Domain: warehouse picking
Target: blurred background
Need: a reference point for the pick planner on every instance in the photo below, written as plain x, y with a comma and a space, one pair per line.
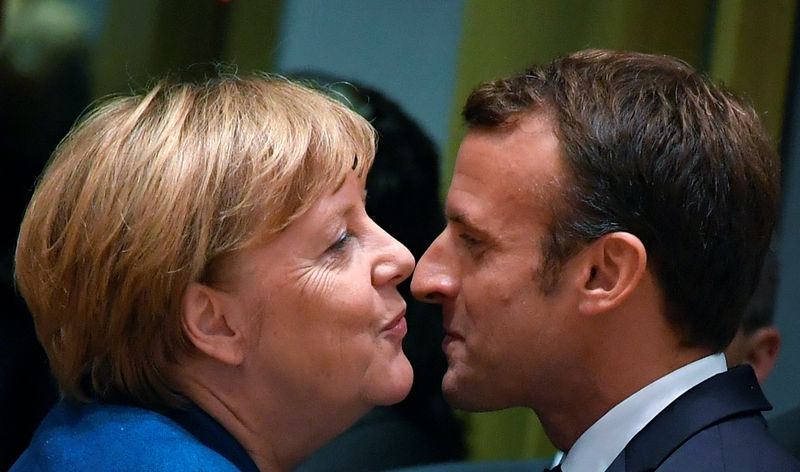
56, 56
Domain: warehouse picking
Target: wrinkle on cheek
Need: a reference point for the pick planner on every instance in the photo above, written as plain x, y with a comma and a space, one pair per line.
314, 279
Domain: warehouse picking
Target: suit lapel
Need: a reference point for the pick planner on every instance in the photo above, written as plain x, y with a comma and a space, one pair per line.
722, 396
618, 465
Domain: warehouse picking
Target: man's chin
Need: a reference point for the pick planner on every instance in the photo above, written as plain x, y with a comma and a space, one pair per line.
469, 395
459, 394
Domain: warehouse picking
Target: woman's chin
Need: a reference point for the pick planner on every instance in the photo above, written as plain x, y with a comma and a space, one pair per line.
392, 385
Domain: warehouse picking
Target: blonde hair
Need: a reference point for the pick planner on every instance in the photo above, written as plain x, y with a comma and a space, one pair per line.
144, 193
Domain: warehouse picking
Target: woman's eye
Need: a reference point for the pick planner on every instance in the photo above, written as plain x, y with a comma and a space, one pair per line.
341, 243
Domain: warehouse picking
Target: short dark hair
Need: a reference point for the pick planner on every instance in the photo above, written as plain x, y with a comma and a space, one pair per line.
656, 149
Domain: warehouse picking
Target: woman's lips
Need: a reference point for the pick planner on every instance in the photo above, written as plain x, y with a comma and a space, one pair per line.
397, 327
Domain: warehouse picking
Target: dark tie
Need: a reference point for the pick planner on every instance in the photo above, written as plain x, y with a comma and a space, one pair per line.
554, 469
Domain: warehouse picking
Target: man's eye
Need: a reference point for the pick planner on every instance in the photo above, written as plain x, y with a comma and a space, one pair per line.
469, 240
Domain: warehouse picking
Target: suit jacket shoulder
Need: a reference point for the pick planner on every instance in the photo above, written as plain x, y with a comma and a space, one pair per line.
715, 426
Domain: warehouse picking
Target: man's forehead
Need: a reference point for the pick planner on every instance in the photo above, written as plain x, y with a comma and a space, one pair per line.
486, 208
486, 166
504, 172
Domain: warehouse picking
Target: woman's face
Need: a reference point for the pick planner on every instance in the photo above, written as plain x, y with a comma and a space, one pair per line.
327, 320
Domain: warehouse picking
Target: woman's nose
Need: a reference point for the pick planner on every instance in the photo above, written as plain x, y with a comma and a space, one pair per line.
397, 263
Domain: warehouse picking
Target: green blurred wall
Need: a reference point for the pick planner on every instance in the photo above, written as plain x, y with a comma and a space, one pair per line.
148, 38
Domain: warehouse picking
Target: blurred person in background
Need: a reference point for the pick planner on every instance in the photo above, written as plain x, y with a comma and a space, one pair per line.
758, 341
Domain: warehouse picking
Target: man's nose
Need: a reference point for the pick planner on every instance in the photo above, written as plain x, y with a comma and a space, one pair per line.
434, 280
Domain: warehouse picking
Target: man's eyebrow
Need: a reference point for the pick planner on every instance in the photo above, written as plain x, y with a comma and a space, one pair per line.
463, 219
457, 217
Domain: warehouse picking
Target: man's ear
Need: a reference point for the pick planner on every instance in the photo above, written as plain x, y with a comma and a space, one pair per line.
611, 269
762, 351
211, 324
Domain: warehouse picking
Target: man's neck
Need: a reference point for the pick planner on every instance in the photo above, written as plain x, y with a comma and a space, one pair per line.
598, 390
597, 447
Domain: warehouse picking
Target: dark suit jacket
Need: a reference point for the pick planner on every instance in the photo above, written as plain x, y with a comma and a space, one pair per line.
715, 426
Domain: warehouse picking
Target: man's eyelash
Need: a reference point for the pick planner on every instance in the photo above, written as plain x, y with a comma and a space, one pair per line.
469, 239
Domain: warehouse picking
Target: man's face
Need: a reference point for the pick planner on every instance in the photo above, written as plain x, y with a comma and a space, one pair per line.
504, 337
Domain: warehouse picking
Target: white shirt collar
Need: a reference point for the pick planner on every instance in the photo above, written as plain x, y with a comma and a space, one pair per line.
599, 445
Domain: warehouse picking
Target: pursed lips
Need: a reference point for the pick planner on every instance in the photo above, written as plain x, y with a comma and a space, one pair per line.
397, 325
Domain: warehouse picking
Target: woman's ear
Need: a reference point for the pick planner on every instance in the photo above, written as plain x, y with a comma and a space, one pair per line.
612, 268
211, 323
